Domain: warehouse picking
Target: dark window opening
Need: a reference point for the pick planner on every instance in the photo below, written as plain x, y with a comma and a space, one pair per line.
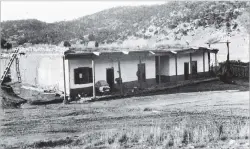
83, 75
194, 67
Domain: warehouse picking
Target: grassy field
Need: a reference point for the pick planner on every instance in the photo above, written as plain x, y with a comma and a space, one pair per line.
206, 119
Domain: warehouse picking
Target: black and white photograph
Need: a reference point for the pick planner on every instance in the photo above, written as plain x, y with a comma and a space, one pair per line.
132, 74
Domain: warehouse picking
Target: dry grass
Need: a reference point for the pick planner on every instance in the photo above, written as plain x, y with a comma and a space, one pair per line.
183, 132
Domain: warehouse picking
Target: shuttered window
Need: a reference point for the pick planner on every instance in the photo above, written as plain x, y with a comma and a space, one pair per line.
83, 75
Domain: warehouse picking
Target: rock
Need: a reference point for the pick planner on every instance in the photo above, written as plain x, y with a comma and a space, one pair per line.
231, 142
190, 146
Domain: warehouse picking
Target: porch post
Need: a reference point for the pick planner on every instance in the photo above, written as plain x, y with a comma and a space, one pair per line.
93, 79
140, 80
176, 73
208, 55
190, 54
159, 69
65, 101
216, 63
204, 61
119, 71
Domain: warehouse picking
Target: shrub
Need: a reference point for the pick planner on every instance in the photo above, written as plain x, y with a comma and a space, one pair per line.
123, 139
66, 44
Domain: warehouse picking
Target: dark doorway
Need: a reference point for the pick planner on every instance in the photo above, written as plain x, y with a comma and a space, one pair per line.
186, 70
110, 77
141, 74
194, 67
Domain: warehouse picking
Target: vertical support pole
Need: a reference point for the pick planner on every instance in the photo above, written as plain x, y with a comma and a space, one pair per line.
65, 101
208, 55
140, 73
93, 75
215, 59
69, 79
190, 54
159, 69
120, 77
228, 62
204, 62
176, 73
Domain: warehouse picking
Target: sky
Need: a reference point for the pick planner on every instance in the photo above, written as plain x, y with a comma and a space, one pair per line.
52, 11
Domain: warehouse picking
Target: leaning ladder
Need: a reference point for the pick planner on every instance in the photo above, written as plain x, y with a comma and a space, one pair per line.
13, 57
18, 70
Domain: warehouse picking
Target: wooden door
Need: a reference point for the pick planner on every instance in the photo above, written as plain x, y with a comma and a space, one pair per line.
186, 70
110, 77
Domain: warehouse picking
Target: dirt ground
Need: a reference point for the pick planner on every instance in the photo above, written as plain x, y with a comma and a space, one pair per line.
206, 119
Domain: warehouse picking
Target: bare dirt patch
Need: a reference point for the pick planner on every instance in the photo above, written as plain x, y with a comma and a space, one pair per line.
208, 119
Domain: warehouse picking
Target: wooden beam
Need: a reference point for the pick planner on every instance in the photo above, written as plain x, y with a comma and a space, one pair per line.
93, 75
120, 77
64, 82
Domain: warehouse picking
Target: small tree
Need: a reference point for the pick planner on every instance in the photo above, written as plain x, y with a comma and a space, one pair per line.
91, 37
8, 46
66, 44
3, 42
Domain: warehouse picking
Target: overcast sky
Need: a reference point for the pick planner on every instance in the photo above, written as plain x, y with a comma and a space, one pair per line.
52, 11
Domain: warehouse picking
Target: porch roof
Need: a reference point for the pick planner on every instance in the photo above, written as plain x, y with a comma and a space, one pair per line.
158, 51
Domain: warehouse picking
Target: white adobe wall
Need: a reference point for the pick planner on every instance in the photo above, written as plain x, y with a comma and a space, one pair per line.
41, 70
181, 59
128, 66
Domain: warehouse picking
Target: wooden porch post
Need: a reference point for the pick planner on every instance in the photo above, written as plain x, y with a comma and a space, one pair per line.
208, 54
190, 54
204, 61
65, 101
93, 79
140, 74
159, 69
215, 59
176, 73
120, 77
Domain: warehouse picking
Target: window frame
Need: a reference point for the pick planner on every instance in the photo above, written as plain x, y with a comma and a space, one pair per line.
87, 76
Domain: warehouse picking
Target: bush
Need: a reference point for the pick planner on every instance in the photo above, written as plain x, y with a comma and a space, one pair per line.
66, 44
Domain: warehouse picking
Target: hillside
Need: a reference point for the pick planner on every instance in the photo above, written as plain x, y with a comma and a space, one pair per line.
184, 23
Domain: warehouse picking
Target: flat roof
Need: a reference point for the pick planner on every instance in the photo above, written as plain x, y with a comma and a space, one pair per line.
158, 51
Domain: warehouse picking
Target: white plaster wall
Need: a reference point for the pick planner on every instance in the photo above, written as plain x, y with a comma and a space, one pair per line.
73, 64
181, 59
128, 66
41, 70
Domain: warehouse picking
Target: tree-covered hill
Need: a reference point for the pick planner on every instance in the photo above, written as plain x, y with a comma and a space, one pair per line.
171, 21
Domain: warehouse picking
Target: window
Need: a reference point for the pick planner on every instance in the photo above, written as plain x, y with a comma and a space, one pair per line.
194, 67
83, 75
